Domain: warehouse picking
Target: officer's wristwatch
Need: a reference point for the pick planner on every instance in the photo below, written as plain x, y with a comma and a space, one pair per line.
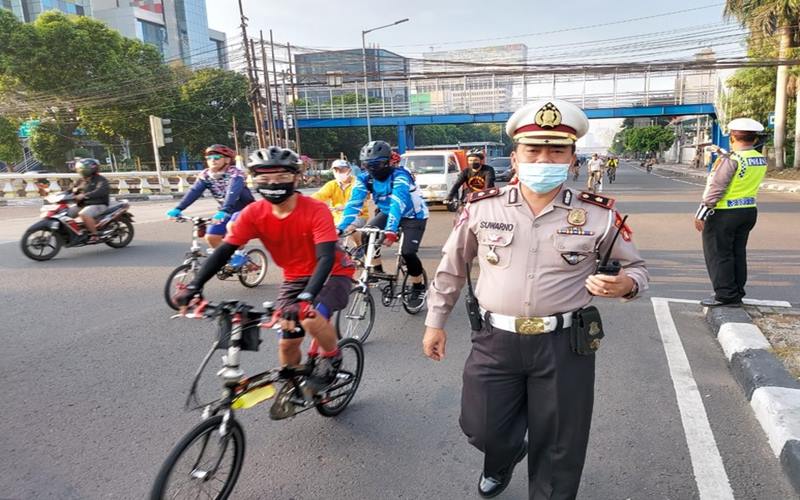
306, 297
634, 291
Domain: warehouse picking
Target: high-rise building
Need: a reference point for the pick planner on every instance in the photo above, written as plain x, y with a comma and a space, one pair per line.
28, 10
177, 28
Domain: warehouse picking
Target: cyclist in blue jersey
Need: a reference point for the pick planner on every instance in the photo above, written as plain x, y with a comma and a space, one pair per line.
227, 185
399, 205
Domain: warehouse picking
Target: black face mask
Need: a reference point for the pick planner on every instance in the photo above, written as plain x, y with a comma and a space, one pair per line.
276, 192
475, 165
381, 172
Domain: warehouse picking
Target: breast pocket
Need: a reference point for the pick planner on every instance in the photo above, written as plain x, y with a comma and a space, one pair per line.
495, 249
575, 251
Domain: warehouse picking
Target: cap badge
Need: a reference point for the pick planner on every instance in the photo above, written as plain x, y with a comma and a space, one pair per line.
577, 217
548, 117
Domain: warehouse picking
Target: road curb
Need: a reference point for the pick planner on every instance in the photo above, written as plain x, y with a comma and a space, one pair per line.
773, 393
768, 184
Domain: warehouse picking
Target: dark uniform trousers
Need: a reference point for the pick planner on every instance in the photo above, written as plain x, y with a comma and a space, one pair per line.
725, 250
515, 384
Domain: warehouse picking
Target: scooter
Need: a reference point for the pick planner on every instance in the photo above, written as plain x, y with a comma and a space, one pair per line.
44, 239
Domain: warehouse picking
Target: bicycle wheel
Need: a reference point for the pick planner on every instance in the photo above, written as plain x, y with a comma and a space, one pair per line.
254, 270
407, 293
358, 318
181, 275
203, 463
336, 399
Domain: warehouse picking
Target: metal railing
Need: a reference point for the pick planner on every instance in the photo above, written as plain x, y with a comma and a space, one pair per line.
503, 93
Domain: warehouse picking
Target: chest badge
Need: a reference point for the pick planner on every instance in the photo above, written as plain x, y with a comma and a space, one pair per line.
491, 256
576, 217
573, 258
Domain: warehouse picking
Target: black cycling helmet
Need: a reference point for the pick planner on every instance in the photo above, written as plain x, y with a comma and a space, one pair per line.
274, 158
476, 152
87, 166
375, 158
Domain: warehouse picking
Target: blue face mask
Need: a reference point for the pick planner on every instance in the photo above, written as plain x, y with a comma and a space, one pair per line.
542, 177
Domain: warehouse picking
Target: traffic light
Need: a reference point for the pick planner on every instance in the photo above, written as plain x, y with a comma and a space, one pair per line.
160, 134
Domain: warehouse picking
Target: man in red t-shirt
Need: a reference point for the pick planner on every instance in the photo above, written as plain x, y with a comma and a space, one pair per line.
299, 234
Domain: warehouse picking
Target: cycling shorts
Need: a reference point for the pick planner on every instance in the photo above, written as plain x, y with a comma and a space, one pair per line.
413, 229
333, 297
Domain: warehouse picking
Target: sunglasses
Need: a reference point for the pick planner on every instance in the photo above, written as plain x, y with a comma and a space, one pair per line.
214, 157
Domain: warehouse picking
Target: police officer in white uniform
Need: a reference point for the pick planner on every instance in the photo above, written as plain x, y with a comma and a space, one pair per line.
531, 367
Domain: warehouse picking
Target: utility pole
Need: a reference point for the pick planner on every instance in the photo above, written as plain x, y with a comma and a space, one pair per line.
235, 137
285, 108
270, 117
275, 79
262, 138
251, 96
298, 150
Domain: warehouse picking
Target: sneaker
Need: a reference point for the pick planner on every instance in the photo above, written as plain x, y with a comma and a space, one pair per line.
324, 373
416, 296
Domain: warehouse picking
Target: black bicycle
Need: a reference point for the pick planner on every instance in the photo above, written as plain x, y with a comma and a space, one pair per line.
358, 318
207, 461
250, 265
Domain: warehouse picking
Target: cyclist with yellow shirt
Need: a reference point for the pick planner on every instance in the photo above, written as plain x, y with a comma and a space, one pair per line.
336, 192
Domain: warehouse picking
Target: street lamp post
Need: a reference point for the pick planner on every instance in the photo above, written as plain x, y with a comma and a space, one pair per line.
364, 63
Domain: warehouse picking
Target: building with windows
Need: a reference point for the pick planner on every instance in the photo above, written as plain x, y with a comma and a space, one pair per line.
346, 67
177, 28
28, 10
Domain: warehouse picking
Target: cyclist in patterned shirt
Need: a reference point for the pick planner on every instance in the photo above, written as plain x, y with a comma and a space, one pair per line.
227, 185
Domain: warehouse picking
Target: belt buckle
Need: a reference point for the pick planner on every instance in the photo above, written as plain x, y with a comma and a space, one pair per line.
530, 326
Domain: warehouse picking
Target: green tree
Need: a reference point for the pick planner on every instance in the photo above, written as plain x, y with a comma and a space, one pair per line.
646, 139
768, 18
51, 142
10, 147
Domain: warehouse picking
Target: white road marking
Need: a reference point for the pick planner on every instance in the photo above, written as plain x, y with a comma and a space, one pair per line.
740, 337
778, 411
709, 470
767, 303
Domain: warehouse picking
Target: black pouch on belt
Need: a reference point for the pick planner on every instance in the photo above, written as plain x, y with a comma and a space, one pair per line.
586, 331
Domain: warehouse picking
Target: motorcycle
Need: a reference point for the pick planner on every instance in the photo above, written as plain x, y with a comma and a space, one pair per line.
44, 239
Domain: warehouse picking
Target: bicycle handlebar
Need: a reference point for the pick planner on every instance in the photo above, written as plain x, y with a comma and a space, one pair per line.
210, 310
193, 220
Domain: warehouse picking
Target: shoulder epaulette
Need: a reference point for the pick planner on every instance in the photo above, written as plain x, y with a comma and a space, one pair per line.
482, 195
596, 199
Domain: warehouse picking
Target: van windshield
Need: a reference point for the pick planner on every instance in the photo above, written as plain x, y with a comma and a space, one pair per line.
433, 164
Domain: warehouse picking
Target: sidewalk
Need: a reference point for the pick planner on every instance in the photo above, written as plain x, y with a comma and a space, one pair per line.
685, 170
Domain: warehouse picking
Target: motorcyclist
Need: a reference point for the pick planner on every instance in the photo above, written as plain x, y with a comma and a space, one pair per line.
476, 176
92, 195
227, 185
299, 234
399, 204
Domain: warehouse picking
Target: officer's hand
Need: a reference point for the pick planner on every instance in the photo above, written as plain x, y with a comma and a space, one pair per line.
433, 343
699, 225
389, 238
604, 285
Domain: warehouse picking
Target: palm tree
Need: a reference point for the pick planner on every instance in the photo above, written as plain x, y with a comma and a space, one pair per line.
771, 17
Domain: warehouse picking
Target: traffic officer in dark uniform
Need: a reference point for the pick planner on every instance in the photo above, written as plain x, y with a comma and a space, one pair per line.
728, 213
531, 367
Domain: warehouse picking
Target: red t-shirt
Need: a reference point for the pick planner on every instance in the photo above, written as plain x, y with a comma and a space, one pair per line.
290, 241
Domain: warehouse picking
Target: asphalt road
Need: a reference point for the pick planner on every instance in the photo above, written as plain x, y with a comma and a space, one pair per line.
95, 374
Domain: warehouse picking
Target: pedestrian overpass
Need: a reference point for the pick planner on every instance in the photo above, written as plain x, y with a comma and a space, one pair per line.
492, 98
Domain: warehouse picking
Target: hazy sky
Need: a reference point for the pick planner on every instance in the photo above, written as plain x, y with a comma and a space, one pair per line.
447, 24
452, 24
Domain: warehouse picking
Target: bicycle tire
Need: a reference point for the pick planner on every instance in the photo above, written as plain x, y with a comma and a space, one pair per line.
406, 293
203, 431
357, 299
262, 272
169, 289
333, 404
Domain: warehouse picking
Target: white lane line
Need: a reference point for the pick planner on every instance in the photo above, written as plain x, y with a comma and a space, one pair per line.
749, 302
709, 470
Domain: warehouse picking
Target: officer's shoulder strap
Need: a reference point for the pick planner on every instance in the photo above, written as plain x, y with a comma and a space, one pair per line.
597, 199
483, 195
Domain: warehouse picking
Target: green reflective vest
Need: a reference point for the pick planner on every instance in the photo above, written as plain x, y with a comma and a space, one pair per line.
751, 166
